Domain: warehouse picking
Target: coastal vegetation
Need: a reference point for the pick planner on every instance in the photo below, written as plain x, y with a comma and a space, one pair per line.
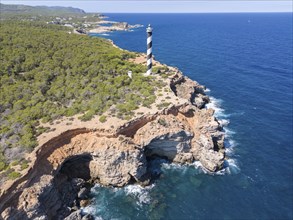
39, 10
64, 16
47, 73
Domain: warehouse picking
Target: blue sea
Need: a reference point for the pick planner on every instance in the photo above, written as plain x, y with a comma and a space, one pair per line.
245, 61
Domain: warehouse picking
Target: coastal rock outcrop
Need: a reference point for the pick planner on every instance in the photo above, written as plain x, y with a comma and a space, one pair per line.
57, 178
116, 162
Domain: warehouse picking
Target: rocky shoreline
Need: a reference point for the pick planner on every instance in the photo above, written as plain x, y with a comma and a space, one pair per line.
64, 167
113, 26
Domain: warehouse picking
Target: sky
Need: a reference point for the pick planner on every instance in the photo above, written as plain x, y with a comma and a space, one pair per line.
167, 6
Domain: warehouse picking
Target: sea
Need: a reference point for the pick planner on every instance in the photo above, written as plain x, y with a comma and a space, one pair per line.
245, 61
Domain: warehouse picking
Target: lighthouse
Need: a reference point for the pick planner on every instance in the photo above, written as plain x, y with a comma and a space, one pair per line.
149, 31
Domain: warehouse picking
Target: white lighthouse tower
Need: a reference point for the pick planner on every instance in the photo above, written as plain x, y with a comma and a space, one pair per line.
149, 31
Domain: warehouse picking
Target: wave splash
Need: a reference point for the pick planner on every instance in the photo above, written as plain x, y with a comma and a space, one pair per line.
140, 193
231, 166
106, 199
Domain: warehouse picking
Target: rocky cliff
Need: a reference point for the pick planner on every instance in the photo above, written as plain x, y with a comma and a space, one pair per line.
182, 132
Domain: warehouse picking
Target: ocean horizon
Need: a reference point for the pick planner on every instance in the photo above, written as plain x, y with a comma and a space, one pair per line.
245, 61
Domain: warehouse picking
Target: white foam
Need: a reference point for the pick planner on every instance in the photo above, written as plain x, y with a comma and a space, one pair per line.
200, 168
183, 168
95, 188
229, 143
92, 211
231, 164
177, 166
216, 105
139, 192
207, 90
224, 122
198, 165
231, 167
104, 34
229, 152
228, 132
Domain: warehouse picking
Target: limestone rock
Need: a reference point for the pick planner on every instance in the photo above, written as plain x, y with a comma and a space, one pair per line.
55, 185
170, 145
200, 100
84, 203
40, 197
74, 216
83, 193
87, 217
186, 88
211, 160
116, 163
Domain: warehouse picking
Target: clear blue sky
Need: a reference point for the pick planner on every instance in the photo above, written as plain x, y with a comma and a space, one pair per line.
168, 6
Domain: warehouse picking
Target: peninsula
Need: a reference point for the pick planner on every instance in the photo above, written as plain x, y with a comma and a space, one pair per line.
71, 117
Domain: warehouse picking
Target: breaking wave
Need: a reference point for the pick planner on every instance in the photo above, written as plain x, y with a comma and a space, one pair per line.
231, 165
140, 193
105, 198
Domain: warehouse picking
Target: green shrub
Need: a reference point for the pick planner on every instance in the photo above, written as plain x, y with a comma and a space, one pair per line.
14, 163
24, 165
148, 101
87, 116
164, 75
41, 130
14, 175
3, 166
163, 105
162, 122
103, 119
127, 117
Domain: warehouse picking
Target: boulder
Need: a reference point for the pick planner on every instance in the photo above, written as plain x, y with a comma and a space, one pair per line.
116, 163
83, 193
212, 160
76, 215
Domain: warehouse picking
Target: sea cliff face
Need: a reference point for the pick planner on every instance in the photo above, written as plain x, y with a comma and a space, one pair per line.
183, 132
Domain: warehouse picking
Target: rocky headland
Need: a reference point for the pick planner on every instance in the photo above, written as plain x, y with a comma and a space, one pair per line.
110, 26
67, 162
